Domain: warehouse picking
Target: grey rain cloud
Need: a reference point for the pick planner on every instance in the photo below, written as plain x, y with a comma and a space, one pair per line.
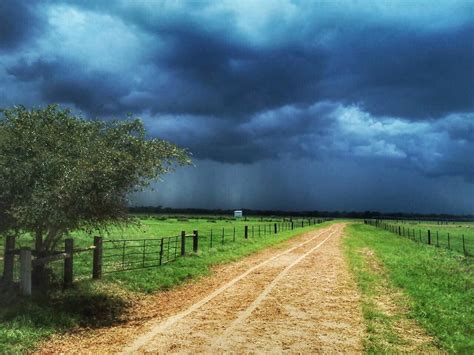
385, 86
18, 23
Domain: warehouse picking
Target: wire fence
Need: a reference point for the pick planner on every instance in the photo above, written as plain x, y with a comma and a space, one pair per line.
441, 239
117, 255
131, 254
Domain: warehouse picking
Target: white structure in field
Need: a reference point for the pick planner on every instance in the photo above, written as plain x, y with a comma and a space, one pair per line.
238, 214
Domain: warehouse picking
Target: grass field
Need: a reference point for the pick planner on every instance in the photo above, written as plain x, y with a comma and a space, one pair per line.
437, 284
449, 236
24, 322
436, 287
142, 244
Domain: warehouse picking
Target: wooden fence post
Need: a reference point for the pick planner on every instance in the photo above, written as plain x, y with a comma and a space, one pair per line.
183, 243
292, 226
246, 232
275, 227
97, 258
195, 241
161, 251
25, 271
429, 236
8, 259
68, 262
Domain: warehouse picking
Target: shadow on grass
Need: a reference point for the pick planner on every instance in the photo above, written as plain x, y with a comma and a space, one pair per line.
27, 319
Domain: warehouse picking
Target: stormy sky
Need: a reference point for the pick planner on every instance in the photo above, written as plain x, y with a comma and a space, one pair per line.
294, 105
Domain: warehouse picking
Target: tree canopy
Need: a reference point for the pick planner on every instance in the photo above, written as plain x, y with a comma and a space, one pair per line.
60, 172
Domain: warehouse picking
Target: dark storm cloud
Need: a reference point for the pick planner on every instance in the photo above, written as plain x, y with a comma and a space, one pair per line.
18, 21
251, 82
405, 73
211, 68
94, 91
270, 134
329, 130
307, 185
390, 68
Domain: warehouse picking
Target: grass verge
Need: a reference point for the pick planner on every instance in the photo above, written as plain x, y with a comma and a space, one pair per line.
405, 285
25, 322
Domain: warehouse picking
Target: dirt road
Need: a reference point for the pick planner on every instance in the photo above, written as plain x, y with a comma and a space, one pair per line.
296, 298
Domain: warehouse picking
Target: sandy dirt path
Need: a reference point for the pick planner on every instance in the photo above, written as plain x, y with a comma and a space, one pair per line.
296, 297
299, 300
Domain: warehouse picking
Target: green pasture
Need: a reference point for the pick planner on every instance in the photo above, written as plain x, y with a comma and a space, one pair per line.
438, 283
449, 236
158, 226
25, 322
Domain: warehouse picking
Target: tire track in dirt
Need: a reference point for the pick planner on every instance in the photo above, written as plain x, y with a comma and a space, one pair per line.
220, 307
233, 320
156, 308
263, 295
315, 308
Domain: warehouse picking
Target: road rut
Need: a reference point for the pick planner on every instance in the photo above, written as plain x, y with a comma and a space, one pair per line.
301, 299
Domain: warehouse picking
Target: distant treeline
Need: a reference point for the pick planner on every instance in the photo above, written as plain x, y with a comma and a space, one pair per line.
332, 214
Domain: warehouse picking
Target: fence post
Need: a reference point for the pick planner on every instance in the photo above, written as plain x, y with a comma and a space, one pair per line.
223, 236
429, 237
449, 243
292, 225
176, 247
233, 238
246, 232
195, 241
25, 271
97, 258
183, 243
399, 230
8, 259
464, 246
68, 262
275, 226
161, 251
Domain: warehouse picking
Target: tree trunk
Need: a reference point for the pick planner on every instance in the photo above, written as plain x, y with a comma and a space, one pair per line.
46, 242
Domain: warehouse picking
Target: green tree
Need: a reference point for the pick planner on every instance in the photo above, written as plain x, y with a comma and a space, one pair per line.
59, 172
